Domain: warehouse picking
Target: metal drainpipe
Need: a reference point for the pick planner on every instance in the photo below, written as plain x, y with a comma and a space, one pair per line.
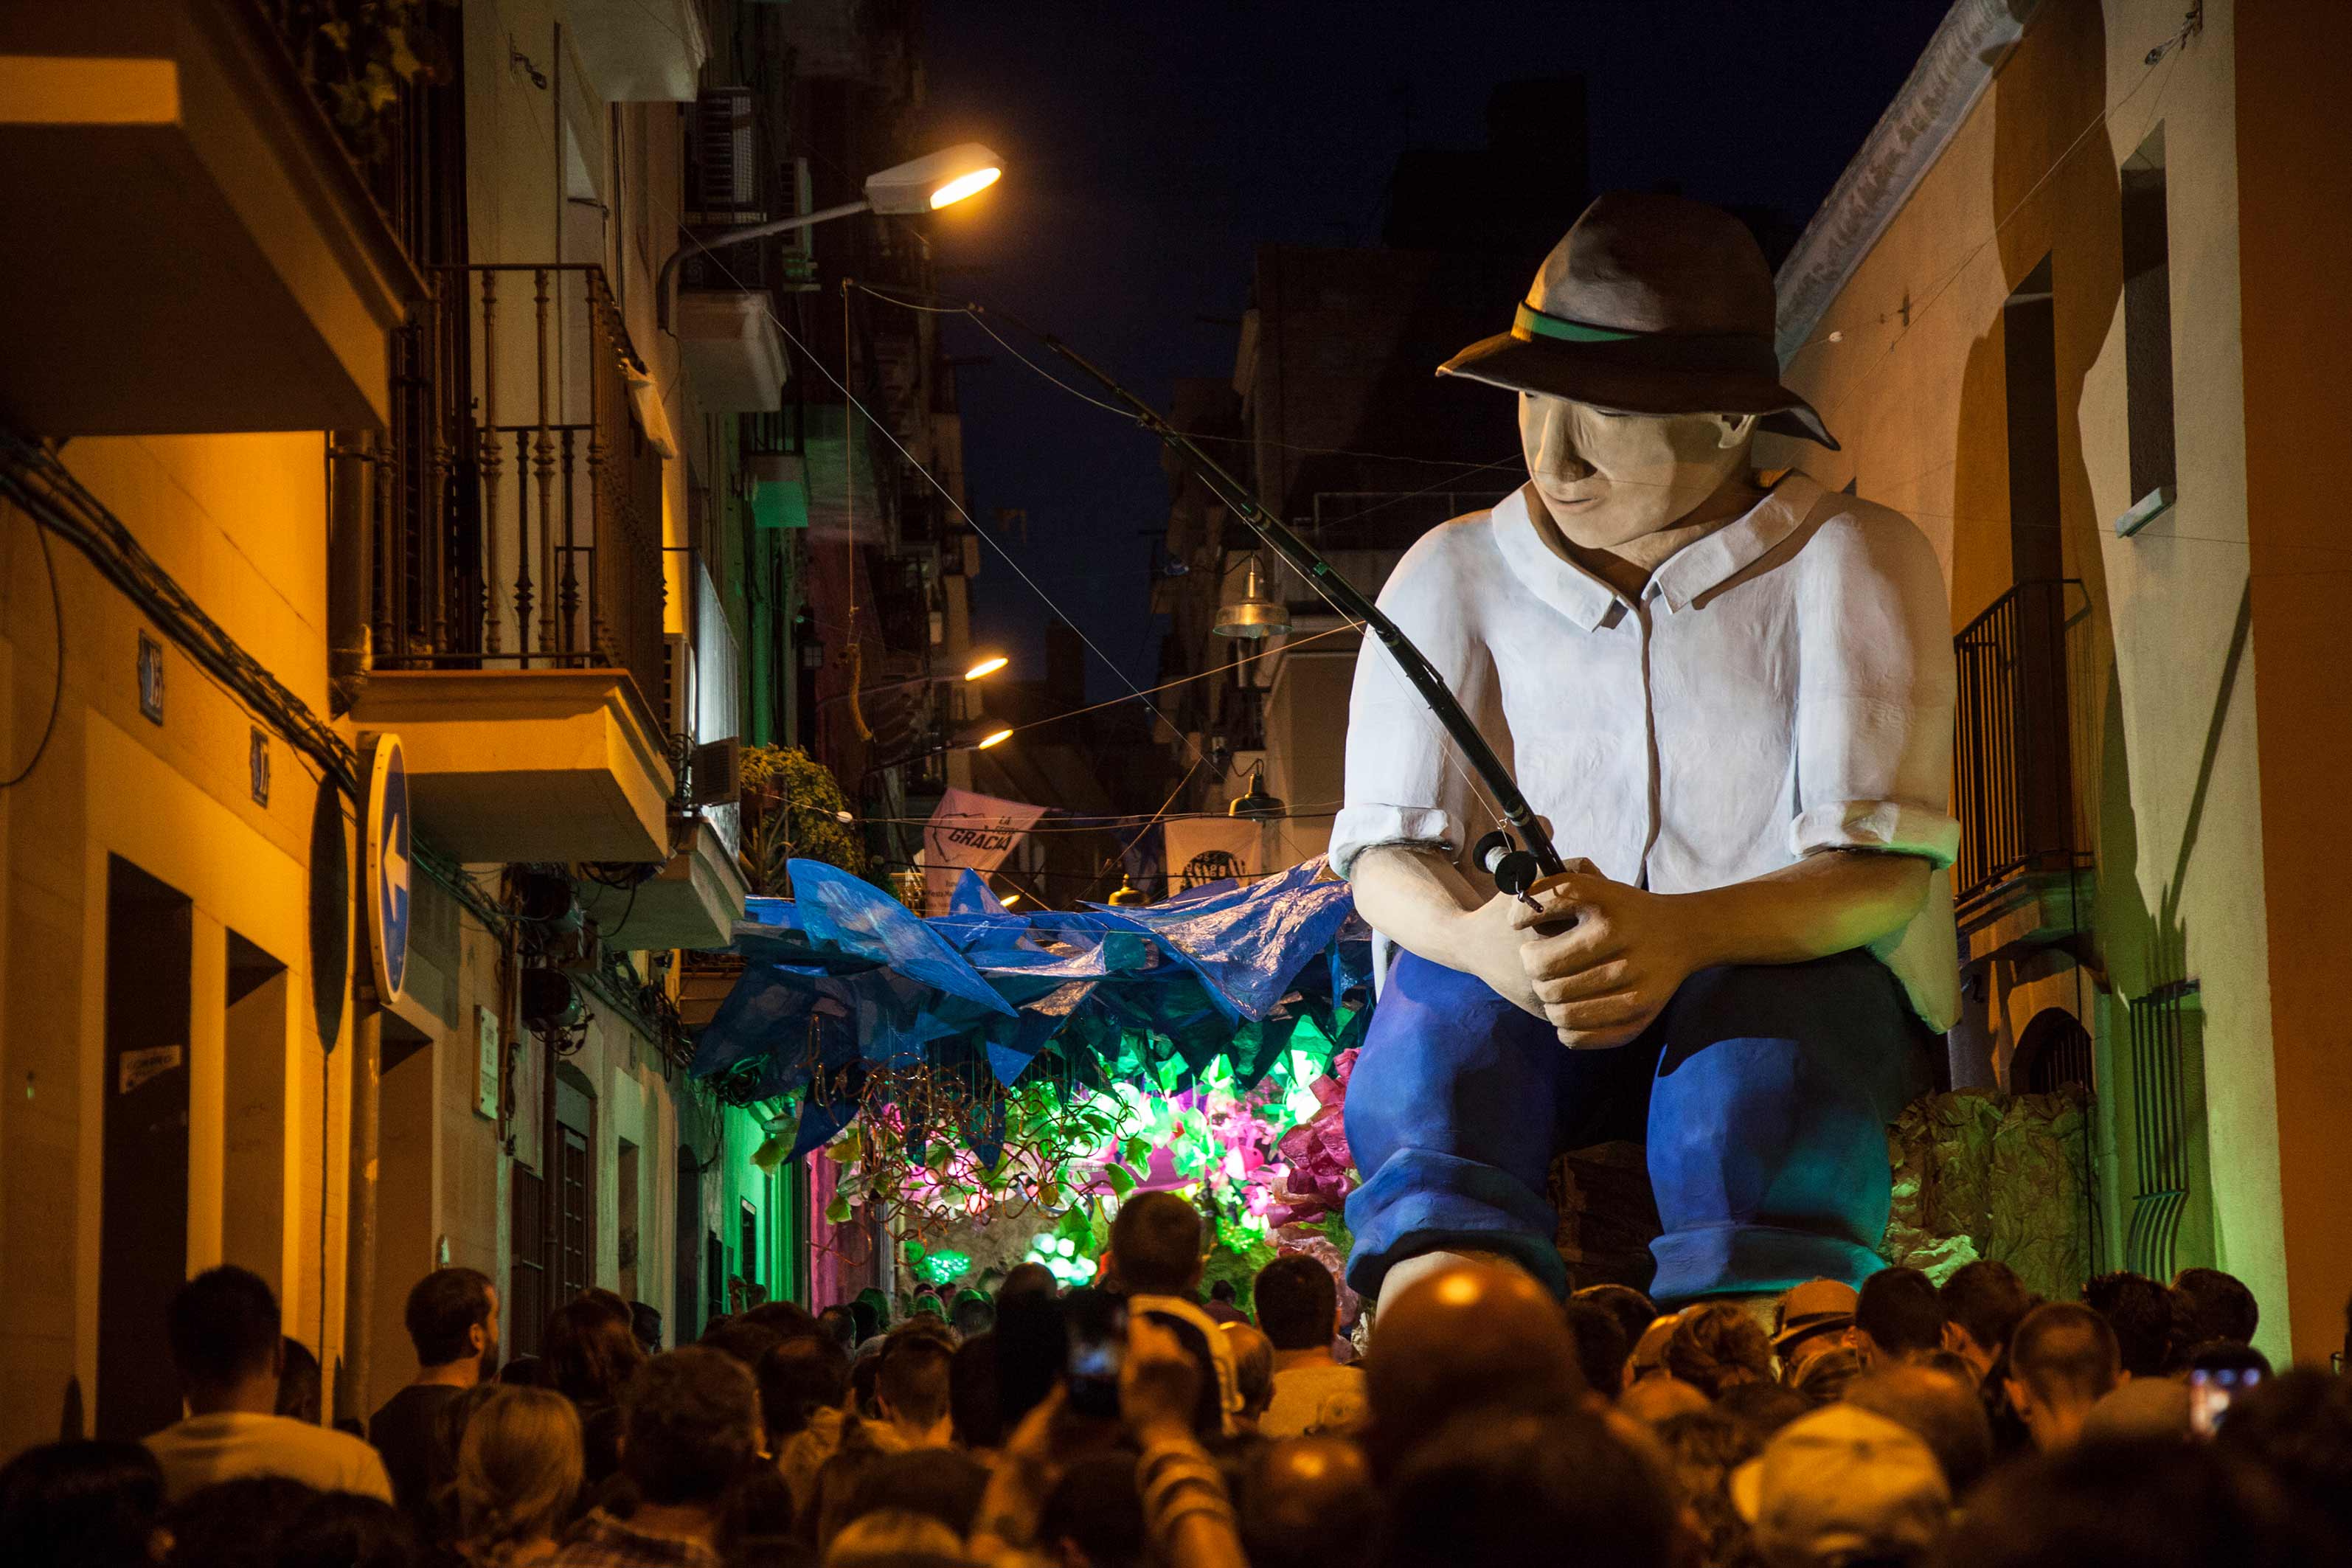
351, 456
359, 1257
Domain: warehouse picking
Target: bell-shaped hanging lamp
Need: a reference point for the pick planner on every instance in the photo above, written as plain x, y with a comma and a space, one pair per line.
1254, 804
1256, 614
1129, 894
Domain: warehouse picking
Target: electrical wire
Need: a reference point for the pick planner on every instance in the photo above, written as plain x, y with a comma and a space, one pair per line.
57, 682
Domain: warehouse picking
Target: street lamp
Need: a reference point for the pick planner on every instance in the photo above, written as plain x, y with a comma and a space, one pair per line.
985, 668
922, 185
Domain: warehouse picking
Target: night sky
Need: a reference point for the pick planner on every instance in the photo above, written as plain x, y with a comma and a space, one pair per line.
1150, 147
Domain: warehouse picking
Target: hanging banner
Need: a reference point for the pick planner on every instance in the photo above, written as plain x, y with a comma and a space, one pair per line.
969, 830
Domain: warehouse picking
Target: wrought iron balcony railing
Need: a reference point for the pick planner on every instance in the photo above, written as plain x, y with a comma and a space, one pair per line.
2012, 780
521, 515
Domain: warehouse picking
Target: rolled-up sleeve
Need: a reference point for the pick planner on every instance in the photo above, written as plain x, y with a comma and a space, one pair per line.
1402, 786
1875, 692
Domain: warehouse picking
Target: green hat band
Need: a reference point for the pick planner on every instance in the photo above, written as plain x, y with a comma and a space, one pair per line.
1533, 324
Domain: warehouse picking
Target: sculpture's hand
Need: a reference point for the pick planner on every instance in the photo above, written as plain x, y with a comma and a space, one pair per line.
1602, 980
1491, 940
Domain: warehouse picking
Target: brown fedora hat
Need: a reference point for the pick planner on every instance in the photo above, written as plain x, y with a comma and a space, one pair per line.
1650, 305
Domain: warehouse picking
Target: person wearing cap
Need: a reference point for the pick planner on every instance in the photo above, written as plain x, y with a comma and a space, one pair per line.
1809, 1320
1731, 695
1842, 1485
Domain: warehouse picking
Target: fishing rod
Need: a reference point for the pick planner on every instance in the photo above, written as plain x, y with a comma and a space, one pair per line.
1514, 869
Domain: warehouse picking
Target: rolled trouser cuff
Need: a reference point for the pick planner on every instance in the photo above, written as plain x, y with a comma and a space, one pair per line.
1752, 1259
1423, 1201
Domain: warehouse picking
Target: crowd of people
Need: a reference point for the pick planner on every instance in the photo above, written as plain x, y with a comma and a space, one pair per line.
1133, 1422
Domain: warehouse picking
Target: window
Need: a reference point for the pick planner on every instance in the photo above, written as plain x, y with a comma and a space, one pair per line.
2147, 334
750, 1253
2030, 370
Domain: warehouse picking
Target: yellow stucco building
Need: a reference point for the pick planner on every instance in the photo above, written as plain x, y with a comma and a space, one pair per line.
2069, 309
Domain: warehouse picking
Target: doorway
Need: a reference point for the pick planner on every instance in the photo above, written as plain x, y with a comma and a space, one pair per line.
143, 1192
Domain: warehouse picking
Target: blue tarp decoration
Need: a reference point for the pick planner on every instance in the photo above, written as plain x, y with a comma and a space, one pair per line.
842, 981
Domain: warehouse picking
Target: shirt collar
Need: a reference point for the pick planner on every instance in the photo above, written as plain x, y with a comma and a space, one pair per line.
1682, 577
1704, 563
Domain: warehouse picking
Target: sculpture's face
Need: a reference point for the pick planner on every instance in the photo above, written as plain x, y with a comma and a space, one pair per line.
1610, 479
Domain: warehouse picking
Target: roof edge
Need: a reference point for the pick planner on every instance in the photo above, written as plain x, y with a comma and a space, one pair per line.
1959, 62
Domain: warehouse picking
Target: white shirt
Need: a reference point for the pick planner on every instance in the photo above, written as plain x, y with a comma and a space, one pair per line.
1782, 685
1323, 1399
202, 1450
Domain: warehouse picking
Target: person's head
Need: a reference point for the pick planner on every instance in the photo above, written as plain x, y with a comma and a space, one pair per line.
1822, 1378
1761, 1409
452, 1318
519, 1471
928, 1305
523, 1372
1654, 1401
938, 1483
238, 1523
1600, 1346
1703, 1448
2144, 1318
2062, 1360
865, 1322
1648, 1357
1633, 1310
798, 1378
645, 1322
299, 1391
1719, 1346
1308, 1502
223, 1326
1896, 1313
690, 1424
975, 1396
591, 1352
785, 1319
973, 1314
1223, 1290
345, 1530
1468, 1337
1253, 1358
81, 1505
1942, 1411
1842, 1485
2298, 1428
2161, 1504
1488, 1490
1094, 1516
911, 1388
1812, 1318
876, 1303
1609, 477
2220, 1306
1298, 1303
1982, 1302
740, 1338
892, 1536
1028, 1279
840, 1325
1155, 1245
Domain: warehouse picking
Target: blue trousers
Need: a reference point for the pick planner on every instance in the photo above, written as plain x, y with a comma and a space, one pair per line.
1763, 1093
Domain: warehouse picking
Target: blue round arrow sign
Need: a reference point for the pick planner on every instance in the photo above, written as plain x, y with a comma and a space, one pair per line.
390, 864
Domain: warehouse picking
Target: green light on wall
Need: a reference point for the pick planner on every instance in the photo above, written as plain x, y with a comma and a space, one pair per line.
942, 1267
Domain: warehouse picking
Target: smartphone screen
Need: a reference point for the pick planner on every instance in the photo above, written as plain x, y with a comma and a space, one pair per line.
2210, 1391
1096, 1324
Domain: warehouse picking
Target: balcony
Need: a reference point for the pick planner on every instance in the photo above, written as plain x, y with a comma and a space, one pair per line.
192, 249
692, 902
2017, 880
733, 353
515, 585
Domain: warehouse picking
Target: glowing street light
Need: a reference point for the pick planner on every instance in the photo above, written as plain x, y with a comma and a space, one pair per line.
994, 738
920, 184
987, 666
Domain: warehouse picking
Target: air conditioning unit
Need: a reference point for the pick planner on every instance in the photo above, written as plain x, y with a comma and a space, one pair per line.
717, 770
726, 146
678, 684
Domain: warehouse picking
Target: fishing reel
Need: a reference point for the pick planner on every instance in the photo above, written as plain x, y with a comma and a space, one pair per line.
1514, 869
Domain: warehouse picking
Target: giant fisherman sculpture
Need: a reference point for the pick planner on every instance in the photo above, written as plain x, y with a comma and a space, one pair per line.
1732, 699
